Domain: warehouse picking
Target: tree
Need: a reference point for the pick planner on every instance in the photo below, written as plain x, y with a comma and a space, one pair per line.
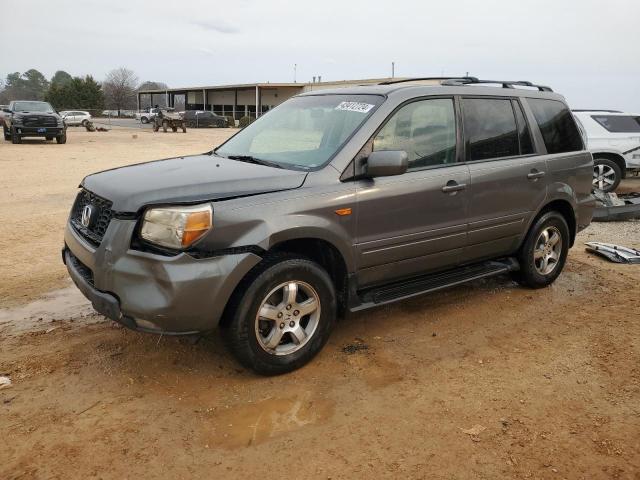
119, 89
30, 85
78, 93
61, 78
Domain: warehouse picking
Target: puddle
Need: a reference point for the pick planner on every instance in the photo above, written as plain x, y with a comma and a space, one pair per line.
255, 423
64, 304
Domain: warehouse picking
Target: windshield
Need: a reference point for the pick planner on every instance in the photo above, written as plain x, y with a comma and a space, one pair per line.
32, 107
304, 132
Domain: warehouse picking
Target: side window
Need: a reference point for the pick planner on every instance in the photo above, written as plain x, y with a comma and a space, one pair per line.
524, 136
557, 125
425, 129
489, 128
618, 123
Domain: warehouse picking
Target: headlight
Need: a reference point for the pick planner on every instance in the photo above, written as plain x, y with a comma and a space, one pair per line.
16, 119
176, 227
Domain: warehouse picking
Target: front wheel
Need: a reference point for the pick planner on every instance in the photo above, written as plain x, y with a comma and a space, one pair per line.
144, 120
62, 138
544, 252
15, 137
606, 175
7, 135
281, 315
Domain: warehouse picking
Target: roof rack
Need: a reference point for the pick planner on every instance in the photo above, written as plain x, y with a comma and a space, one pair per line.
595, 110
459, 81
416, 79
504, 83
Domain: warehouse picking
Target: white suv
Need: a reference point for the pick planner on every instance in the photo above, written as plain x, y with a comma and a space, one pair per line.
614, 140
75, 117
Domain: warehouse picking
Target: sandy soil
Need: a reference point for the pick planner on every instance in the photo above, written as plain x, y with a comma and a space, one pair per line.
485, 381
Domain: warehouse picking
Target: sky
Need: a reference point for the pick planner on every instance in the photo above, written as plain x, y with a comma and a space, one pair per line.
587, 50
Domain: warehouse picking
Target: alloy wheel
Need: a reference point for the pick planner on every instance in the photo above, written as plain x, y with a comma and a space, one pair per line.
547, 250
287, 318
603, 176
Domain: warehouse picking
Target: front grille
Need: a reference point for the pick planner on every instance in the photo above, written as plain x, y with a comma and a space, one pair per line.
39, 121
100, 217
84, 271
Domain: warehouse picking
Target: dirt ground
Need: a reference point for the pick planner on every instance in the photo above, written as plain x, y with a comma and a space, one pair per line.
487, 381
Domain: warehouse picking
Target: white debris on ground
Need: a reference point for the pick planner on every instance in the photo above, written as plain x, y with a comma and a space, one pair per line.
5, 382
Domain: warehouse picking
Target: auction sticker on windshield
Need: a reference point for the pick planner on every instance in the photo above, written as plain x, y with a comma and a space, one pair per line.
355, 107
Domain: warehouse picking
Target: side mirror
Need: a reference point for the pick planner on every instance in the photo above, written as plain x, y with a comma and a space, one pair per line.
6, 110
387, 163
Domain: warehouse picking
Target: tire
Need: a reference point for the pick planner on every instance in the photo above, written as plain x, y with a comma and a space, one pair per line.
62, 138
144, 120
538, 251
165, 125
15, 138
84, 123
301, 336
184, 129
174, 129
607, 175
7, 135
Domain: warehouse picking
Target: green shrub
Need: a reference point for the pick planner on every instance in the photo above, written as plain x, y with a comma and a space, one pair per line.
245, 121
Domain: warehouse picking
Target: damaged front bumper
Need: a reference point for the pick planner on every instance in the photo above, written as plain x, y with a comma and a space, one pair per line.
150, 292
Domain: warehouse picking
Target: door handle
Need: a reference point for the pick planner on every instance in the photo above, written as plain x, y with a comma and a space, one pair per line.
452, 187
535, 174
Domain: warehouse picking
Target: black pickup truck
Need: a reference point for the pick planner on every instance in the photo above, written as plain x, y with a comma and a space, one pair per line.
26, 118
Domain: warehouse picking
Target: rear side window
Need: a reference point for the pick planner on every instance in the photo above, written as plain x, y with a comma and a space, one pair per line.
618, 123
557, 125
490, 128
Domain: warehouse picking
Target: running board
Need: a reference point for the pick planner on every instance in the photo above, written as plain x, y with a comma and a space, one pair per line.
400, 290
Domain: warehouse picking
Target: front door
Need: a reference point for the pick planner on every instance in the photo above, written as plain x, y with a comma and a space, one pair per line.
415, 222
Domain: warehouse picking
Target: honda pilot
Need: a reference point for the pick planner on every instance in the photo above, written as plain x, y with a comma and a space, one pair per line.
336, 201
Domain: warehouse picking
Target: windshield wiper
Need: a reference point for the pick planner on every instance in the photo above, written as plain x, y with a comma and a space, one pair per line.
257, 161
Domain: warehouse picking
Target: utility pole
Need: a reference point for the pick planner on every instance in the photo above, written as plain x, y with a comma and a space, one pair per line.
393, 69
295, 71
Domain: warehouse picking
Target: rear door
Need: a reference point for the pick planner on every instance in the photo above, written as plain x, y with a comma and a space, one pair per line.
507, 177
415, 222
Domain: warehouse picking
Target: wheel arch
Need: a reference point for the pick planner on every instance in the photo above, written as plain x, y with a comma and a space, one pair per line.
565, 208
615, 157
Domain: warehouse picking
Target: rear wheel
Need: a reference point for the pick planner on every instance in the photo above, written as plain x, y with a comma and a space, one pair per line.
84, 122
144, 120
165, 125
544, 252
281, 315
607, 175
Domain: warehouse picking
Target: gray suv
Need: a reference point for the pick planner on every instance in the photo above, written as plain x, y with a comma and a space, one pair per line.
335, 201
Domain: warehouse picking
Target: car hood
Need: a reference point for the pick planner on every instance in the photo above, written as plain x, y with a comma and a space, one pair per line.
188, 180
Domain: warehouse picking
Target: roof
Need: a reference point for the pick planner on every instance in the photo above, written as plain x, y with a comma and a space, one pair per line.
263, 85
222, 87
412, 90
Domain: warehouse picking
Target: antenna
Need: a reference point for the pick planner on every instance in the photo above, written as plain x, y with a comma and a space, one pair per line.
295, 71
